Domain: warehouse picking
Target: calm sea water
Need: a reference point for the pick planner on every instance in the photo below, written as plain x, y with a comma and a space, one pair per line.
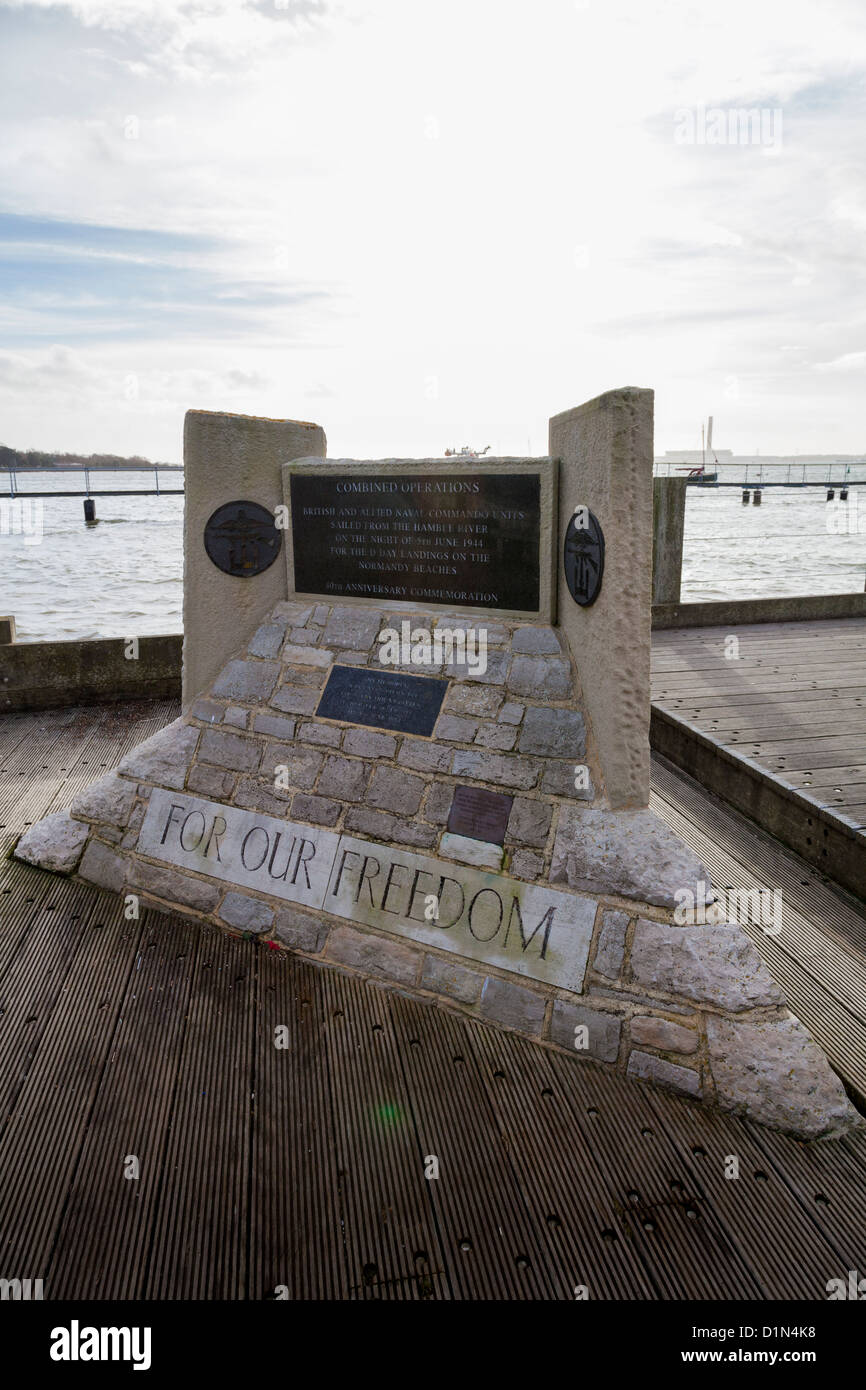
123, 577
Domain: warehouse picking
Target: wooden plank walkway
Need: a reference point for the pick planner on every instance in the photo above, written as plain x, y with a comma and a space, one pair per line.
819, 954
263, 1169
772, 716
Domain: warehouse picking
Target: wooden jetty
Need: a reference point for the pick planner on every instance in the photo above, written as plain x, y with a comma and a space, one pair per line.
772, 717
303, 1168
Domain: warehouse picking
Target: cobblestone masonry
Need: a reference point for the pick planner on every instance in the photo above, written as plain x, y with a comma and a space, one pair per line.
692, 1009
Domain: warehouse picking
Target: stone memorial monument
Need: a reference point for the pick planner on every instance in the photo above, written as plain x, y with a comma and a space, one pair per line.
415, 745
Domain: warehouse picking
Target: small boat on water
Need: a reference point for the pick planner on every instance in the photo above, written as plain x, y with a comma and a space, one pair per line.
698, 473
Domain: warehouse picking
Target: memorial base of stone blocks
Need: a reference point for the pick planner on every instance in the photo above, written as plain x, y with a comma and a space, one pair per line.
470, 826
564, 932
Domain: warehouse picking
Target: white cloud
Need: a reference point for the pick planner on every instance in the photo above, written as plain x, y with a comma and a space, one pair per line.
487, 194
849, 362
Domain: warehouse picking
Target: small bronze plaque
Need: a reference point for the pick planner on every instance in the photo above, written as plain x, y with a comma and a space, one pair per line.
583, 557
242, 539
382, 699
480, 814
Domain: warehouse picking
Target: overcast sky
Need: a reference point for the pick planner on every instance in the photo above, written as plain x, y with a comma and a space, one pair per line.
424, 223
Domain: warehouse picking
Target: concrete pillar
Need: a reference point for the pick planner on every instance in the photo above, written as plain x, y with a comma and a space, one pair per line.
230, 458
605, 450
669, 511
7, 631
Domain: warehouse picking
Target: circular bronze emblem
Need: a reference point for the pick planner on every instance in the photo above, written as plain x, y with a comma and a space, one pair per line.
242, 539
583, 557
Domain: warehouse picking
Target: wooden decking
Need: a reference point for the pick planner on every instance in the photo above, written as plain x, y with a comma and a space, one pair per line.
772, 716
304, 1168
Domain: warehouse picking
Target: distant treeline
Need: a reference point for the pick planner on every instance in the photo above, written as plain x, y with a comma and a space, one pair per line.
32, 459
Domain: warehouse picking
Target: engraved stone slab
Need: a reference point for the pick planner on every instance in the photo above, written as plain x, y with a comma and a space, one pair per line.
480, 814
487, 917
477, 535
240, 847
382, 699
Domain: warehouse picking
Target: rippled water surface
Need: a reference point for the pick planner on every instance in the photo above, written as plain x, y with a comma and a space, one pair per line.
124, 576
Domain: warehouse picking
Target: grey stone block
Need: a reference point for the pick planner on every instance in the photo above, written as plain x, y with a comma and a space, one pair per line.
455, 981
496, 736
611, 944
319, 615
631, 853
513, 1005
511, 713
455, 728
268, 640
207, 710
529, 821
553, 733
353, 628
710, 964
474, 700
247, 914
367, 743
292, 611
361, 820
305, 636
304, 765
130, 839
211, 781
164, 758
649, 1031
303, 654
300, 930
254, 796
643, 1066
374, 955
308, 677
231, 751
110, 799
345, 778
424, 757
437, 804
773, 1072
236, 717
274, 726
100, 865
324, 734
502, 771
294, 699
175, 888
541, 677
603, 1030
315, 809
394, 790
495, 633
558, 780
525, 864
493, 674
55, 842
536, 641
247, 680
351, 658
